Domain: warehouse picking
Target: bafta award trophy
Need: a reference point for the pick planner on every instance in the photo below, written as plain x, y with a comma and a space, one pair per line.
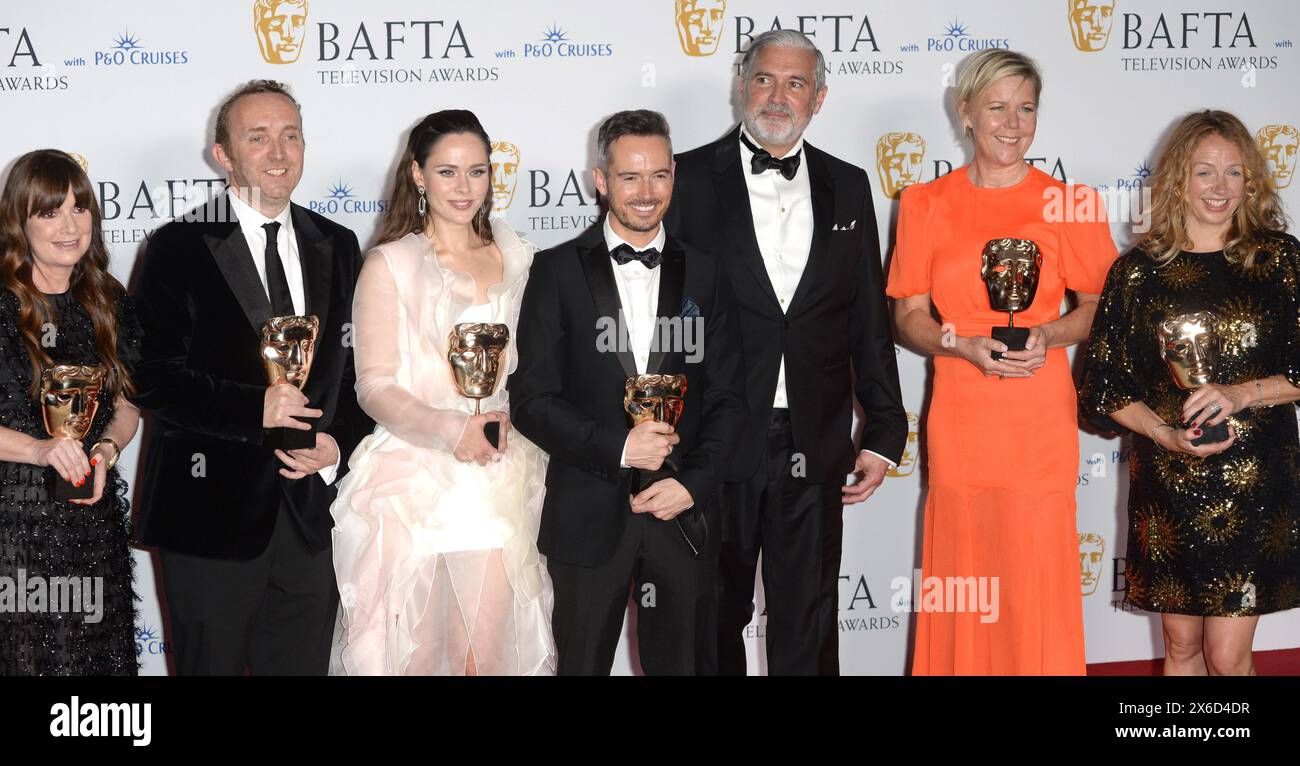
660, 398
1190, 344
69, 401
1010, 272
288, 347
474, 351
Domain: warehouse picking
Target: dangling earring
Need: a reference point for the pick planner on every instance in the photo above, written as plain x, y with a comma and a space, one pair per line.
422, 205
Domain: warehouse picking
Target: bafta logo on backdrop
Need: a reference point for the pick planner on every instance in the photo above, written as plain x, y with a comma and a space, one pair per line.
81, 160
1092, 552
911, 449
699, 25
1090, 23
281, 29
898, 161
1279, 144
505, 173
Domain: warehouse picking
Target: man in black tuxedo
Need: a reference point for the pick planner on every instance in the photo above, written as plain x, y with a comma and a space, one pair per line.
795, 230
244, 529
625, 299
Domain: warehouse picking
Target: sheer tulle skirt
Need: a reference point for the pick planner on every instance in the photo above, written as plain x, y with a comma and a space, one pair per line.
410, 603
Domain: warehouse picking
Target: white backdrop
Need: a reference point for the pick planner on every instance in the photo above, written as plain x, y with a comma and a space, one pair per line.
131, 87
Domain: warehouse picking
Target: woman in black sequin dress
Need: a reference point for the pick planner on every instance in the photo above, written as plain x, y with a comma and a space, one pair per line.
1214, 529
59, 306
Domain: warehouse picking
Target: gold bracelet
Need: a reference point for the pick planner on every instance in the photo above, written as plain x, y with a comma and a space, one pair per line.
117, 451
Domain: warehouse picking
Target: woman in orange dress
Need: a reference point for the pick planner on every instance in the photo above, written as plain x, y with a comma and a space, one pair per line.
1001, 434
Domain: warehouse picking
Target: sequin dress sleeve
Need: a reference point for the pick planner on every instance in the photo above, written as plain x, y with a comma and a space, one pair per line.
1109, 382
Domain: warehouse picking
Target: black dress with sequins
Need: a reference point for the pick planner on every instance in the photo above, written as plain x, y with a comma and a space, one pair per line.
40, 537
1216, 536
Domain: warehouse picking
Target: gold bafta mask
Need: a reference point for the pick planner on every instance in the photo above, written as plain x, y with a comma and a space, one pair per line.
1189, 344
1092, 552
911, 448
281, 29
1090, 23
699, 25
474, 351
70, 398
288, 347
1279, 144
1010, 272
505, 173
898, 161
654, 397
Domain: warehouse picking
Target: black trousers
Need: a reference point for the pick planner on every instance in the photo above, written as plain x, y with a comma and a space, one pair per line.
798, 527
674, 592
273, 615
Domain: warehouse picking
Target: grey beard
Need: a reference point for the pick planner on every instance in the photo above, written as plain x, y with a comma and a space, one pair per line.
753, 125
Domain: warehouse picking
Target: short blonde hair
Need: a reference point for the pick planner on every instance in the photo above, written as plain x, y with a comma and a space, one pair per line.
987, 67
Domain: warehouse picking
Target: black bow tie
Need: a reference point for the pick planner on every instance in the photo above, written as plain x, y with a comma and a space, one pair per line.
762, 160
624, 254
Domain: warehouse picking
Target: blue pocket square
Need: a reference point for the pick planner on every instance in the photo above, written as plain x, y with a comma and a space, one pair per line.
690, 309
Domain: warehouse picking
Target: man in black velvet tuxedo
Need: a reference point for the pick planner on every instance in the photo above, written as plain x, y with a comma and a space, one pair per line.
625, 299
795, 230
244, 529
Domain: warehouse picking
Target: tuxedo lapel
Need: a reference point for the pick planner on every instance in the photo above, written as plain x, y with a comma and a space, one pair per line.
728, 176
316, 254
672, 281
230, 251
599, 270
823, 204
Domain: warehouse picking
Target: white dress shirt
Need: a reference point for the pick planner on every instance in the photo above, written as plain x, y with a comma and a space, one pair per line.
638, 295
251, 222
783, 225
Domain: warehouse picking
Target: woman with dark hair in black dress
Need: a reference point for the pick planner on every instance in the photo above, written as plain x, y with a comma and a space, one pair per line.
61, 306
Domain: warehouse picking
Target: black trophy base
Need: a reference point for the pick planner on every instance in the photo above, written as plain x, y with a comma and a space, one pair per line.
1014, 337
289, 438
1210, 434
66, 490
694, 527
492, 432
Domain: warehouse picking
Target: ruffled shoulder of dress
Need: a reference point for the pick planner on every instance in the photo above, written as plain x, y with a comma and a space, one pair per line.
516, 252
408, 258
412, 247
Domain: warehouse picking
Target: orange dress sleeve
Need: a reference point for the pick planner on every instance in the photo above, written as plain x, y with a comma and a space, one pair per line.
1087, 250
909, 271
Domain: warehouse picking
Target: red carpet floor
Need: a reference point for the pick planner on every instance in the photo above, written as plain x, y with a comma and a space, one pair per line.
1282, 662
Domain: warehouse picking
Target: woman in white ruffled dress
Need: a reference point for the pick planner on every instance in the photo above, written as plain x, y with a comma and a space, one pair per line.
435, 529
